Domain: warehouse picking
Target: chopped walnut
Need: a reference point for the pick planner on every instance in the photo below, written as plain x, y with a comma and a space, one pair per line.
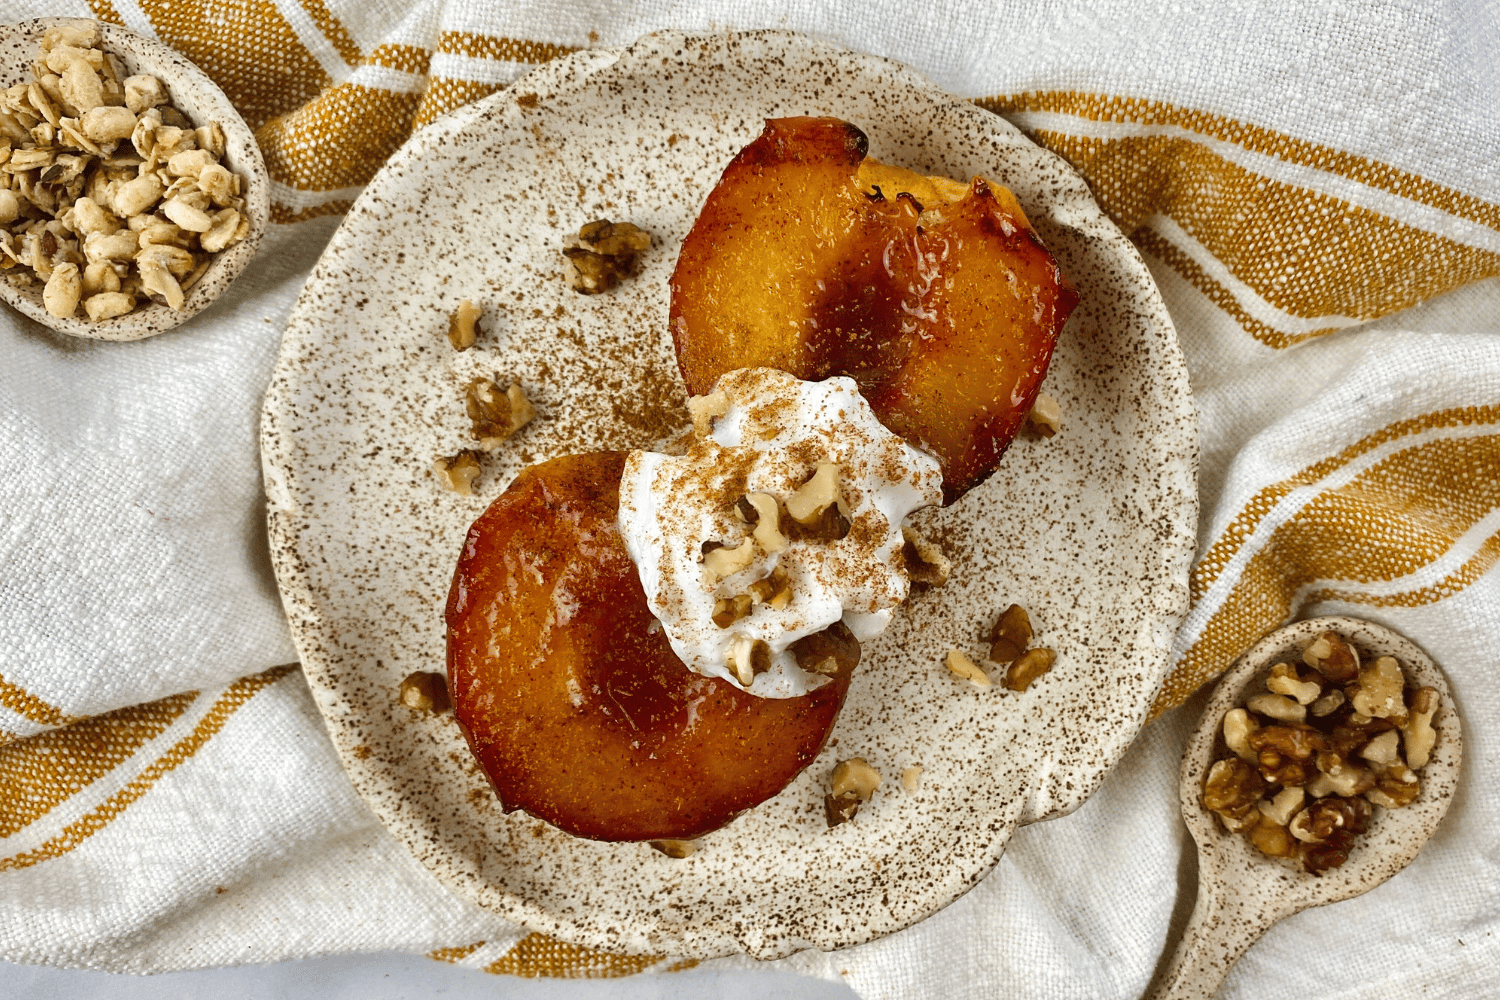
603, 254
703, 410
961, 665
678, 849
1380, 690
463, 325
911, 778
1327, 704
767, 520
1339, 777
851, 785
1045, 418
925, 562
1272, 839
93, 171
1232, 790
1010, 635
1383, 749
774, 590
1418, 734
1396, 787
1277, 706
496, 415
1295, 740
748, 657
815, 496
724, 561
1284, 681
1332, 657
1032, 664
1238, 725
426, 692
827, 651
728, 610
1283, 806
854, 777
840, 808
458, 472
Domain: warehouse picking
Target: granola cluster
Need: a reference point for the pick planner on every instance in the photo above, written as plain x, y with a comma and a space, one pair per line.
108, 194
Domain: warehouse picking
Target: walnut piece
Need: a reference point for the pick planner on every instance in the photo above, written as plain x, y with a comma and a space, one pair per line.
748, 657
1396, 787
1283, 807
854, 777
1380, 690
1010, 635
851, 784
1277, 706
774, 590
1232, 790
925, 562
1418, 734
1238, 725
1284, 681
767, 521
960, 664
496, 414
603, 254
1327, 704
911, 778
424, 691
678, 849
1032, 664
463, 325
840, 808
458, 472
1272, 839
1045, 418
1332, 657
703, 410
814, 497
827, 651
728, 610
725, 561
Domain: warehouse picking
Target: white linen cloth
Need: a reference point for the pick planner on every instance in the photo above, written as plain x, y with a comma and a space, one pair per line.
1286, 169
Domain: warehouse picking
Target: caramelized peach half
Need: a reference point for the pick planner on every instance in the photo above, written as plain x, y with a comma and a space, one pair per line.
938, 298
572, 700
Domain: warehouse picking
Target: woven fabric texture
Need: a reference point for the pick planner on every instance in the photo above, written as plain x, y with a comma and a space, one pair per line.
1314, 188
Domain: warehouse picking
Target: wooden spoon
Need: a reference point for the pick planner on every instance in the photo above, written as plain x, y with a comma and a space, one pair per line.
1242, 892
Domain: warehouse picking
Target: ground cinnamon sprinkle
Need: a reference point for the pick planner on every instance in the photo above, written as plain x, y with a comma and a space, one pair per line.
654, 411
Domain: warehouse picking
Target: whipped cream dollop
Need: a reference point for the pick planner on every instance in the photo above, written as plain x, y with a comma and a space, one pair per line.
783, 518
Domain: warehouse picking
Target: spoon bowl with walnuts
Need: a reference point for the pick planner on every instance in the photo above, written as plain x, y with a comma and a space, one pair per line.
1326, 758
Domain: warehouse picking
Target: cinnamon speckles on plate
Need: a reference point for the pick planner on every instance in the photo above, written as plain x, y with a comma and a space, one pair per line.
1090, 530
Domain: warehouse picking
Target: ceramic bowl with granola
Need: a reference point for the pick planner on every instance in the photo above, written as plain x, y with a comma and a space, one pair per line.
131, 191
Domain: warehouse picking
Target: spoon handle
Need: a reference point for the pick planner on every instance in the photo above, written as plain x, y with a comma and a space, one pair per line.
1223, 926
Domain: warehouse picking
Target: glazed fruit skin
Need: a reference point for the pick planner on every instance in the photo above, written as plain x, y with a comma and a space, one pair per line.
577, 710
946, 318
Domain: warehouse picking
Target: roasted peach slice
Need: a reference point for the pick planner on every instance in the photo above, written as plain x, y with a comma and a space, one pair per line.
570, 696
938, 298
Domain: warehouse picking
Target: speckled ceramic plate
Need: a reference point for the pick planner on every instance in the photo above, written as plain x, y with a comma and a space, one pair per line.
1091, 530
